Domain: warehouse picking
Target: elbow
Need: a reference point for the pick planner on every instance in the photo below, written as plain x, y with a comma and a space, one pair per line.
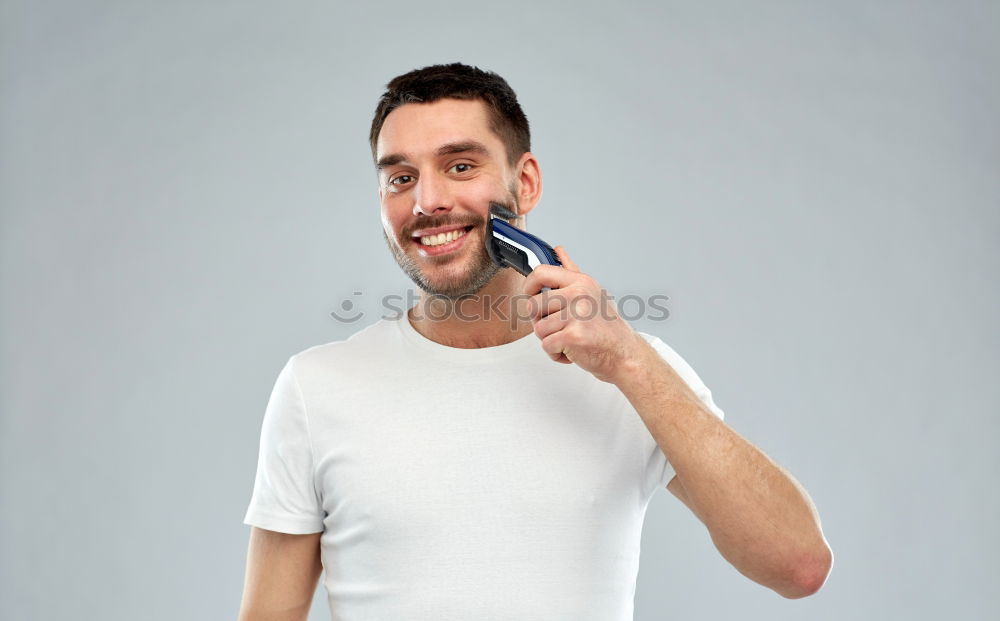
810, 574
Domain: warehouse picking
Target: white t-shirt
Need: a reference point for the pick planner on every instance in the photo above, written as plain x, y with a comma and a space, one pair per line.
450, 483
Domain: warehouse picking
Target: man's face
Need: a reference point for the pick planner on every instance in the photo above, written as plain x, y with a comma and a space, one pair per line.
440, 166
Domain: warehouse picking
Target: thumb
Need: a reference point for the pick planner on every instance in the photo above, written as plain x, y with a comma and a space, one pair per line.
565, 260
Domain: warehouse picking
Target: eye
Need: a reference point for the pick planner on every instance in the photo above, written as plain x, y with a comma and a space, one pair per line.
461, 168
400, 180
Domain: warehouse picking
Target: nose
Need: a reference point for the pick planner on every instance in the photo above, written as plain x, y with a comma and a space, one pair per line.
431, 196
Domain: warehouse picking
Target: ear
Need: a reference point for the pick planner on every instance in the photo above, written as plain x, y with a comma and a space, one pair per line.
529, 182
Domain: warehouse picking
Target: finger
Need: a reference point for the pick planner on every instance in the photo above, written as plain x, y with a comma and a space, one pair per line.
546, 303
550, 325
565, 260
554, 346
551, 276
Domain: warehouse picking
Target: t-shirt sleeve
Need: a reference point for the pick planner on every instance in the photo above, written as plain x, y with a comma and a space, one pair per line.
659, 463
284, 497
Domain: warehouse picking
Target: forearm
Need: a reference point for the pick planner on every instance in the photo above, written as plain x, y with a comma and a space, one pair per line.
300, 614
761, 520
281, 576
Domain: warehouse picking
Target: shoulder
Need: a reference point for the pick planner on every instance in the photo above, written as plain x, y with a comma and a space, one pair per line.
674, 359
685, 370
367, 345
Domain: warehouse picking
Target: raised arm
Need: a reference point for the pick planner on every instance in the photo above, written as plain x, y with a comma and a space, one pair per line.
281, 577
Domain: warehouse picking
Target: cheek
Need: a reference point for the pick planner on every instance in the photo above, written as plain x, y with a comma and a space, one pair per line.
482, 194
391, 224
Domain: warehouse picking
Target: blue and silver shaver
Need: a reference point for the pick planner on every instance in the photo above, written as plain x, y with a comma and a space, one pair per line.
509, 246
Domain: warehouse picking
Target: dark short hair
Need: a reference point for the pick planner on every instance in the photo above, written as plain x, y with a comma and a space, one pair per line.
459, 81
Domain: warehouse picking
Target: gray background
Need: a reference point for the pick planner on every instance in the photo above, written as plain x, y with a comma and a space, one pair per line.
187, 193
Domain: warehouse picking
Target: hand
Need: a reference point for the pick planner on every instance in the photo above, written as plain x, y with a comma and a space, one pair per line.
578, 322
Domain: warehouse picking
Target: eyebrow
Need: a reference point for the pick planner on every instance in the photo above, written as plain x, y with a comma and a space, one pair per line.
451, 148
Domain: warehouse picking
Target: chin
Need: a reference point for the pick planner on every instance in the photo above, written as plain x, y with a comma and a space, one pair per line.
468, 282
454, 280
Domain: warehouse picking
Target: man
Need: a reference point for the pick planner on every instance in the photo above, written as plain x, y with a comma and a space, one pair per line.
443, 464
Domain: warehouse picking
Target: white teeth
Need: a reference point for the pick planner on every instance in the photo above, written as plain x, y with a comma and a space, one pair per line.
441, 238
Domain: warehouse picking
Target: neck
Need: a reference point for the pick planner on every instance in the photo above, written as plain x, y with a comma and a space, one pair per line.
496, 315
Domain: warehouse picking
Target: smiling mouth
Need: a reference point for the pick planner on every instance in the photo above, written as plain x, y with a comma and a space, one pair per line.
442, 243
440, 239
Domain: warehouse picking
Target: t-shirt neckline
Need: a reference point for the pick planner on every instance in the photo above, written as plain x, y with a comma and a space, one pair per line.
524, 344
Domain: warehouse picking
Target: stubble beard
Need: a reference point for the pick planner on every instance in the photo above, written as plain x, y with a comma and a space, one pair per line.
482, 269
481, 272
